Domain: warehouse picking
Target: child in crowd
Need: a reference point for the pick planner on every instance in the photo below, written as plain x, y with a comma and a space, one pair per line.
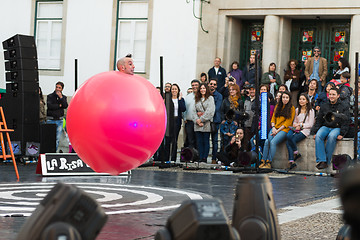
345, 89
228, 128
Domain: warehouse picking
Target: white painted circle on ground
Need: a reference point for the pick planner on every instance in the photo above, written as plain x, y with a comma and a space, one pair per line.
114, 198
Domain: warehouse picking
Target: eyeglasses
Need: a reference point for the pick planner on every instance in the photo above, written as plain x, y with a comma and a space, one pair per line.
316, 50
167, 86
212, 84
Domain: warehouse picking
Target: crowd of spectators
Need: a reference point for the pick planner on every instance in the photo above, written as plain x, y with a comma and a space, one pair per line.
301, 104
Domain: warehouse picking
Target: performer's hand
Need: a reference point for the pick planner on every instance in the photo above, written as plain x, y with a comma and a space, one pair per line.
339, 137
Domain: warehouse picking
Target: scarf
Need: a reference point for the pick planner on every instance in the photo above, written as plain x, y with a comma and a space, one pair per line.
234, 102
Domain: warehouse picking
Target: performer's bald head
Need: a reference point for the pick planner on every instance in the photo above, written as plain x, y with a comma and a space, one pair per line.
126, 65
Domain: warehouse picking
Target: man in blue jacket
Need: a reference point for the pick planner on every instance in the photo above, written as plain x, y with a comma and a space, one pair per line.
217, 117
217, 72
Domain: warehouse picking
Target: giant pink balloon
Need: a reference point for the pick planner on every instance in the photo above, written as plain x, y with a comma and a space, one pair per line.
116, 121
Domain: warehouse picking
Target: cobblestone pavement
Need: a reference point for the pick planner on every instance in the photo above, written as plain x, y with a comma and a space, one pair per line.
138, 205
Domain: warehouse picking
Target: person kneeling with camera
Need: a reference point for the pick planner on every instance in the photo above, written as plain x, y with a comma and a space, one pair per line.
332, 123
236, 153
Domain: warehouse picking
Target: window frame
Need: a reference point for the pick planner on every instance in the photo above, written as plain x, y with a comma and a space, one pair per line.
54, 19
131, 20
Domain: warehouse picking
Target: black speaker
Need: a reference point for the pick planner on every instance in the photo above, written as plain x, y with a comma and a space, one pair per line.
47, 138
25, 132
22, 75
19, 41
203, 219
21, 107
22, 87
66, 212
254, 213
19, 52
21, 64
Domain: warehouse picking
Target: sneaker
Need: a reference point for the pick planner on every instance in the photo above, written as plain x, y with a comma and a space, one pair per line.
297, 156
292, 165
232, 164
219, 163
262, 163
321, 165
267, 165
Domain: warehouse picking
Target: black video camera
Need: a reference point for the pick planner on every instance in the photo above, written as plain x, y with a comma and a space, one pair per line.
334, 120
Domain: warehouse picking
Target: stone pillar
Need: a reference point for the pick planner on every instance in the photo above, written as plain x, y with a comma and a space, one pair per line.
354, 44
271, 41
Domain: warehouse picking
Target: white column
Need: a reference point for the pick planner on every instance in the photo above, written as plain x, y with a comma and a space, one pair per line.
270, 41
354, 44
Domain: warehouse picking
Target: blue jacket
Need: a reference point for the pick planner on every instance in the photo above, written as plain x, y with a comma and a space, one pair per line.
220, 76
228, 127
218, 101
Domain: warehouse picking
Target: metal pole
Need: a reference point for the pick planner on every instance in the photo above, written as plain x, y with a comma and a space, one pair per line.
76, 74
257, 108
356, 107
161, 75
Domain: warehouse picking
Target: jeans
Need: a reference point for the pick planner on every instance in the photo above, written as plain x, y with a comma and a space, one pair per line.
292, 139
271, 143
214, 141
190, 140
59, 128
203, 144
324, 153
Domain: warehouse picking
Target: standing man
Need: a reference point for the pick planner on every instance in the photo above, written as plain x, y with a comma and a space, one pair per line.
167, 87
332, 123
316, 68
190, 140
56, 103
249, 71
249, 107
217, 72
217, 117
126, 65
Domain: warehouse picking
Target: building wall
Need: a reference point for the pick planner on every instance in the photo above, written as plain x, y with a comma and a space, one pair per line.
89, 36
277, 15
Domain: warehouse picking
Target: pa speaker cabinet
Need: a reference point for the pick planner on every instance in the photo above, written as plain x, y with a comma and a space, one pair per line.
21, 64
21, 108
20, 52
22, 76
47, 138
19, 40
22, 87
